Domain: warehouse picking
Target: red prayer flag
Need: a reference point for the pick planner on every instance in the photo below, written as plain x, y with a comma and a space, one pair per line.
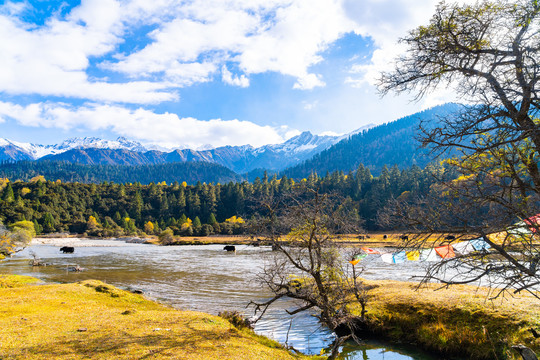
446, 251
370, 251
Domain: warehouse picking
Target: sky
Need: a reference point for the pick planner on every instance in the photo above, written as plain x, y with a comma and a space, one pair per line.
201, 73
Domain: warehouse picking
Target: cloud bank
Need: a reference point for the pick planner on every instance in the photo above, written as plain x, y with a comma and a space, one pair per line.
167, 129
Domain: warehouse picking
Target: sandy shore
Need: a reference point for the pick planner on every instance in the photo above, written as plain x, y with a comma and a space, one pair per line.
78, 242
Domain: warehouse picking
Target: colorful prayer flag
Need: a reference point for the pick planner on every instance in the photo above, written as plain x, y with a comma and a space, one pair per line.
400, 257
356, 258
413, 255
446, 251
370, 251
480, 244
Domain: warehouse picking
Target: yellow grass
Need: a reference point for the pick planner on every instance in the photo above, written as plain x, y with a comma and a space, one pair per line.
93, 320
459, 321
374, 240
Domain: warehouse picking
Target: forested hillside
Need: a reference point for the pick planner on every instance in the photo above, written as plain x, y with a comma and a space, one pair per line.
394, 143
115, 209
190, 172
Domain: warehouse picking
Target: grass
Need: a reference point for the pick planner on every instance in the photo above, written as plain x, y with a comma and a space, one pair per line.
459, 321
374, 240
12, 281
94, 320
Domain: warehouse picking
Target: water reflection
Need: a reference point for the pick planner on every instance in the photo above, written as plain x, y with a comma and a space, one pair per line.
203, 278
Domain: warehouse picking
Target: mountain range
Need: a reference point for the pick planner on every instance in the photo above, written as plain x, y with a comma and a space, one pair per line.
240, 159
393, 143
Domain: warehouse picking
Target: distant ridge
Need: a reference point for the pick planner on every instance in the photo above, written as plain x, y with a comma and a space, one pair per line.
393, 143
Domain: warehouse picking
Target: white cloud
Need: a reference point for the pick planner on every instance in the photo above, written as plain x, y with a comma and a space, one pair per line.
189, 43
385, 22
229, 78
259, 36
165, 129
308, 82
53, 59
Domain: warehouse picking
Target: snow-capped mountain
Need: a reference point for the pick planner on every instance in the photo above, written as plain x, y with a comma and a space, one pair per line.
97, 143
241, 159
305, 142
28, 151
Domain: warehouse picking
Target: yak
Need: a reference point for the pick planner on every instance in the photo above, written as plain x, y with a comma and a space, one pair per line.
67, 249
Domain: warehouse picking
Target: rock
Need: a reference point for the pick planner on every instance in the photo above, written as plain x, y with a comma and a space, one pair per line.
525, 352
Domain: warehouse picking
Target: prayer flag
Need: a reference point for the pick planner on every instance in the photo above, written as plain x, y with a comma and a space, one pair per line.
463, 247
446, 251
480, 244
428, 255
356, 258
400, 257
413, 255
370, 251
387, 258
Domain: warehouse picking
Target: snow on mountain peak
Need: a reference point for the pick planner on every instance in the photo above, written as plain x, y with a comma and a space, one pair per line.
97, 143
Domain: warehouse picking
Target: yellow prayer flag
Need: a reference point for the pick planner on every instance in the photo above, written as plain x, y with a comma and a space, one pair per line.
413, 255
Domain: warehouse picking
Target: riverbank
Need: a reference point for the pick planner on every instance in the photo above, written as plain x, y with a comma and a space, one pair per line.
379, 240
459, 321
93, 320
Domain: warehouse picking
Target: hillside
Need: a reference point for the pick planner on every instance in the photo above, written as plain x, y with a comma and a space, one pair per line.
393, 143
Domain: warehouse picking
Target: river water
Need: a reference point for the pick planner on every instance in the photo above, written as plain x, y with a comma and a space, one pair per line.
206, 278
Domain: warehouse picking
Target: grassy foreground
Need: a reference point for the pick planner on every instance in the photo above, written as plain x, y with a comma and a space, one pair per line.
459, 321
93, 320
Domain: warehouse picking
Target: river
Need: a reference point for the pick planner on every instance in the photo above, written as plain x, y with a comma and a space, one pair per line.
206, 278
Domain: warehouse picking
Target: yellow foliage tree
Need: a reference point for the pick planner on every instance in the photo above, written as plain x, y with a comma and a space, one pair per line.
149, 227
187, 224
92, 223
38, 178
235, 220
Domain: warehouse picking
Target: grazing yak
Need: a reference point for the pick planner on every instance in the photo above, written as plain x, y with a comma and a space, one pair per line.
67, 249
230, 248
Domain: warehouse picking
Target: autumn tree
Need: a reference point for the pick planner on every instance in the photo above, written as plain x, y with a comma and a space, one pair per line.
489, 53
149, 227
15, 239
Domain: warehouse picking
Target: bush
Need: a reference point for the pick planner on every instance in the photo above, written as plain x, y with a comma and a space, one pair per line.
236, 319
166, 237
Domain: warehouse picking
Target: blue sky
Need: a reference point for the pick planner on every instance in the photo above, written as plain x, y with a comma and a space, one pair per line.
202, 72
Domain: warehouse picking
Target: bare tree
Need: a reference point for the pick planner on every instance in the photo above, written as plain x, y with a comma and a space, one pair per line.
309, 265
489, 53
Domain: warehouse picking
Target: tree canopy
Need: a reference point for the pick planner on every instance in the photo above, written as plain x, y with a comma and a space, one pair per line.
489, 53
